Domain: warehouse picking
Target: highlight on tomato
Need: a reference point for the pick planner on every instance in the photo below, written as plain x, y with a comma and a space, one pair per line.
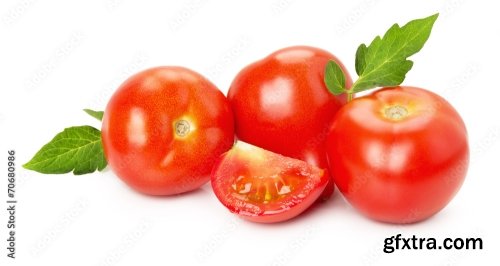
164, 129
265, 187
281, 104
398, 155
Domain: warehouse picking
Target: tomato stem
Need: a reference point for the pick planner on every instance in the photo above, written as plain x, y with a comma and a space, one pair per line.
182, 128
349, 95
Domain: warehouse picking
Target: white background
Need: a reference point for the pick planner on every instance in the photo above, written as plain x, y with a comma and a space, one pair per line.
58, 57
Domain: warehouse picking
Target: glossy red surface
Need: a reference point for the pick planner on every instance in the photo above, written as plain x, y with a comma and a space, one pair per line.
281, 104
164, 128
399, 154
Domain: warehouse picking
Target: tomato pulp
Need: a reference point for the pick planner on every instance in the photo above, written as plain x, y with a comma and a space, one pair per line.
164, 128
398, 155
281, 104
262, 186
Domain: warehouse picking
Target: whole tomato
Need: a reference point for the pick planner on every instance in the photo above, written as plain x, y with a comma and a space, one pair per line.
281, 104
398, 155
164, 129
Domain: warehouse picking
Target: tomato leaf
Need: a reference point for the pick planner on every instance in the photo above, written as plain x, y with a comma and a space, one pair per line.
360, 59
384, 62
76, 149
334, 78
95, 114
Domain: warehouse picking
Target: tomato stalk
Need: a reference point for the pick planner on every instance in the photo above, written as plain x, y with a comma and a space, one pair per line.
350, 95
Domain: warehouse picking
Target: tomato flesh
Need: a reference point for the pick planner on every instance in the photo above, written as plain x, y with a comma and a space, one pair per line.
281, 104
263, 186
398, 155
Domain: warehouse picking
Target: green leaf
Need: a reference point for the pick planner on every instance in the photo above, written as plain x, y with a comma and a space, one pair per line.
384, 62
95, 114
361, 59
76, 149
334, 78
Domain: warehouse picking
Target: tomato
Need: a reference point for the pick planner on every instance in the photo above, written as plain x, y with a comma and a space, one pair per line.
164, 128
281, 104
265, 187
398, 155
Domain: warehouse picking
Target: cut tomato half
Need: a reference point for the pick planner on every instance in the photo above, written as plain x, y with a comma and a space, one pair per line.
263, 186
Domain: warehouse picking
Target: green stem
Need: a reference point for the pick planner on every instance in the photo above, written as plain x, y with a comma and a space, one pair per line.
349, 95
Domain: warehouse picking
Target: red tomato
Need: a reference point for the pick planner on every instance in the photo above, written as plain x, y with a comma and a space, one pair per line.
281, 104
164, 128
398, 155
263, 186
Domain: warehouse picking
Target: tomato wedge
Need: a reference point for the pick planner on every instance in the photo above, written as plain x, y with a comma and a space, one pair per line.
265, 187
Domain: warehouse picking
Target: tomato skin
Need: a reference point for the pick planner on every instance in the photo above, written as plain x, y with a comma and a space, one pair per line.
265, 187
145, 131
399, 170
281, 104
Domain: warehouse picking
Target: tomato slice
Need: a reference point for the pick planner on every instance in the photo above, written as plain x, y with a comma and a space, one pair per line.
263, 186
